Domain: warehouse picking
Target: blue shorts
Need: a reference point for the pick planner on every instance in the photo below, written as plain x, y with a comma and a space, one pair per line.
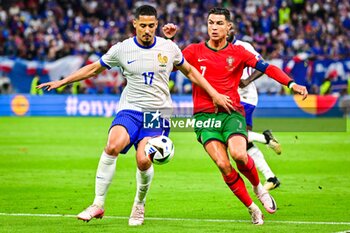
133, 123
249, 109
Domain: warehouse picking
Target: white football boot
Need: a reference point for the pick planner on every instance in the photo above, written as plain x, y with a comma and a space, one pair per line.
137, 215
93, 211
272, 142
256, 214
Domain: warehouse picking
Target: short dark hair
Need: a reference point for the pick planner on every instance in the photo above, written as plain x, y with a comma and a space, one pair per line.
220, 11
145, 10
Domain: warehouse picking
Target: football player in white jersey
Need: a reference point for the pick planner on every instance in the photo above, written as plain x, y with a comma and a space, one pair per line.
249, 99
146, 62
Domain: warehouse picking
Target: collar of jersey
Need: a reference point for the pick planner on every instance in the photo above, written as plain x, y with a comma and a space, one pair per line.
145, 47
215, 50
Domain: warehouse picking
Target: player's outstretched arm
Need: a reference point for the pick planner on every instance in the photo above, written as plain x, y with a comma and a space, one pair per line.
281, 77
218, 99
277, 74
85, 72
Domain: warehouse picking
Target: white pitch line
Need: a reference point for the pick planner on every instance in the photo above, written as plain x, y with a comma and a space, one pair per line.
175, 219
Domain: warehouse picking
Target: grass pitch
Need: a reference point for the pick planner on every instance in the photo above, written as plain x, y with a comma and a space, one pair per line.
47, 169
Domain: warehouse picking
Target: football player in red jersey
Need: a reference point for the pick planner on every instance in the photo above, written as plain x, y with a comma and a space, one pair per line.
222, 64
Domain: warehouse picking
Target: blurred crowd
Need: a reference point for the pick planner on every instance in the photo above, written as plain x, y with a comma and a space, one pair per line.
46, 30
50, 29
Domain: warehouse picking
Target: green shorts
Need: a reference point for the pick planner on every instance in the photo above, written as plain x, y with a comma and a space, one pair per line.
219, 126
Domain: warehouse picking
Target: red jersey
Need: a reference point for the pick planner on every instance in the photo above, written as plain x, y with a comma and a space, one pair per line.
223, 70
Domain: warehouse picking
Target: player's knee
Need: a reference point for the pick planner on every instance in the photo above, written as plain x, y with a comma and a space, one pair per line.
143, 163
239, 156
118, 139
113, 148
223, 164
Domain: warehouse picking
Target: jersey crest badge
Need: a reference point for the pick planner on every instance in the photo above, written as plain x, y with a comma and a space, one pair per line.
163, 60
230, 61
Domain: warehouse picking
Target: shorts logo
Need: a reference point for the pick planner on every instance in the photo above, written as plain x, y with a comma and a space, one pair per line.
152, 119
239, 124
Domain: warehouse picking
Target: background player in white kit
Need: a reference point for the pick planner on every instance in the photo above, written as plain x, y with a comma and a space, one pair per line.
249, 99
146, 62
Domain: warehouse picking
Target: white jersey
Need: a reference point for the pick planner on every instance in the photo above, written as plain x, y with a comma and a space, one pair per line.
249, 94
146, 70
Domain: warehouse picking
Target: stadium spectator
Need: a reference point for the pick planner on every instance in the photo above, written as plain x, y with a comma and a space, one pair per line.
34, 84
325, 87
63, 89
61, 27
5, 85
221, 65
283, 14
48, 30
147, 90
76, 88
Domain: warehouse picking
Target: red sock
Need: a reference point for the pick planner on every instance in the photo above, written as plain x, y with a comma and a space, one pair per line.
236, 184
249, 171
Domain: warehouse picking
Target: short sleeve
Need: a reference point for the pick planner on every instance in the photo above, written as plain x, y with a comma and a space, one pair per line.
178, 58
251, 49
111, 58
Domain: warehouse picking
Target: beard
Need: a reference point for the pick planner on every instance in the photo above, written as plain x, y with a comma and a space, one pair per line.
147, 39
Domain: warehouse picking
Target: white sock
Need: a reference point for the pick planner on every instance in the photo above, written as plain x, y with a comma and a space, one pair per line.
104, 176
143, 180
256, 137
258, 190
260, 162
253, 206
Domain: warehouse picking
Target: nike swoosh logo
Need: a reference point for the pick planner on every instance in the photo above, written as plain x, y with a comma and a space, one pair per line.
129, 62
200, 60
273, 205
